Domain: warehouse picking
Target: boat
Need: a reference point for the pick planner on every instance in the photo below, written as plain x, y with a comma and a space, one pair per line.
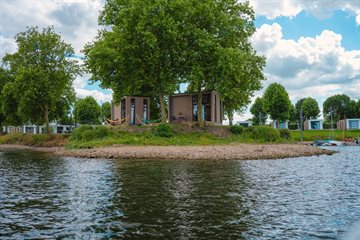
327, 143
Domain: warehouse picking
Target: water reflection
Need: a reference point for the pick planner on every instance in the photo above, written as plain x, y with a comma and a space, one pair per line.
45, 197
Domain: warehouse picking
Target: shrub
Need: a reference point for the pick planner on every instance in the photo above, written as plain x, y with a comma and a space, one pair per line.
77, 132
88, 135
164, 130
102, 131
266, 134
285, 133
236, 129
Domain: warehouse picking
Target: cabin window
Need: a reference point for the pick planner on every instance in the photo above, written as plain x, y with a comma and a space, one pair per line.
123, 109
132, 111
315, 125
206, 101
145, 108
353, 124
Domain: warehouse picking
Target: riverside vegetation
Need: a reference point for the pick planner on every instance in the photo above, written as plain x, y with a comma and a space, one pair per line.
88, 136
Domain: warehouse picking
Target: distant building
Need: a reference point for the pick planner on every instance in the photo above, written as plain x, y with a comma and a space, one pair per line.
33, 129
313, 124
131, 110
184, 108
349, 124
245, 123
282, 125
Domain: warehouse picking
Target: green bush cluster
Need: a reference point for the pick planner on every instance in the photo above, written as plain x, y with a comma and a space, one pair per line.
266, 134
236, 129
88, 133
164, 130
285, 133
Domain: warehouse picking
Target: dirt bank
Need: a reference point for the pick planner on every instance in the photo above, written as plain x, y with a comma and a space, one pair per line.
219, 152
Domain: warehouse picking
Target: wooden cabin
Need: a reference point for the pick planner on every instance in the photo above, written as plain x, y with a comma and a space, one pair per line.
349, 124
184, 108
131, 110
313, 124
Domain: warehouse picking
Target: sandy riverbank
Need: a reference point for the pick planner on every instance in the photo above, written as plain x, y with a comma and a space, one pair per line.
219, 152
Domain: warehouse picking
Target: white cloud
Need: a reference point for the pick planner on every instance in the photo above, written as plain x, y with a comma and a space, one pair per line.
290, 8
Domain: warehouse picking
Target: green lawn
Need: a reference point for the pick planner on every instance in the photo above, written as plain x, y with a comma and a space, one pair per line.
311, 135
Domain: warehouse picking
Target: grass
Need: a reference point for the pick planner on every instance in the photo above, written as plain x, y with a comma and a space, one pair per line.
311, 135
41, 140
100, 136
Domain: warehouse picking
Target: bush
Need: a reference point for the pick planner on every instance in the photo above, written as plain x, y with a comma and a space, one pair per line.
164, 130
88, 135
266, 134
285, 133
102, 131
77, 132
236, 129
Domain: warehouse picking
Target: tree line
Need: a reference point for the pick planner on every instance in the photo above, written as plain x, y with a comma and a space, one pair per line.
145, 48
275, 103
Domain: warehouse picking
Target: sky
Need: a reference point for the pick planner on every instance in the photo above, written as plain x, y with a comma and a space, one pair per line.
312, 47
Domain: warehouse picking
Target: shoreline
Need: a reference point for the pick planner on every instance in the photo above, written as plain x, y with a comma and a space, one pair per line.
209, 152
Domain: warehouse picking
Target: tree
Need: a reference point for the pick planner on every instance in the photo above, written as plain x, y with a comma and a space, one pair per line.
310, 108
157, 45
218, 52
144, 43
298, 106
338, 105
258, 112
41, 86
106, 110
277, 103
87, 111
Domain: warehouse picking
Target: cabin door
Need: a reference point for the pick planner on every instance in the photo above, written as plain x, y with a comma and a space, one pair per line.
145, 106
132, 111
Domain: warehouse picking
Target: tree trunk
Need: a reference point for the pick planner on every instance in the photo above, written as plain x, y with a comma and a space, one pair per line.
162, 108
46, 119
231, 118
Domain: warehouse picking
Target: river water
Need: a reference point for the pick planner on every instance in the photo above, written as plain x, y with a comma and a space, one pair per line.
42, 196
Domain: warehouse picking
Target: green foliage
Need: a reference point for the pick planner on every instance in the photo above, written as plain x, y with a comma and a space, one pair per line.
285, 133
258, 112
41, 88
276, 102
106, 110
338, 105
89, 133
236, 129
294, 117
310, 108
311, 135
87, 111
157, 45
164, 130
77, 132
266, 134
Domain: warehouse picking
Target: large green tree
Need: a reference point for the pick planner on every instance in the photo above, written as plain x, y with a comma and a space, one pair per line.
258, 112
139, 54
277, 103
87, 111
337, 105
310, 108
152, 46
218, 52
41, 88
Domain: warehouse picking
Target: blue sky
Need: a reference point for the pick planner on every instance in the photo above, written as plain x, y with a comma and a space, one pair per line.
312, 47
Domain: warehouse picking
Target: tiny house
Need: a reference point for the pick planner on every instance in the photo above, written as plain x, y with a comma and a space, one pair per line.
349, 124
282, 125
244, 123
313, 124
131, 110
184, 108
